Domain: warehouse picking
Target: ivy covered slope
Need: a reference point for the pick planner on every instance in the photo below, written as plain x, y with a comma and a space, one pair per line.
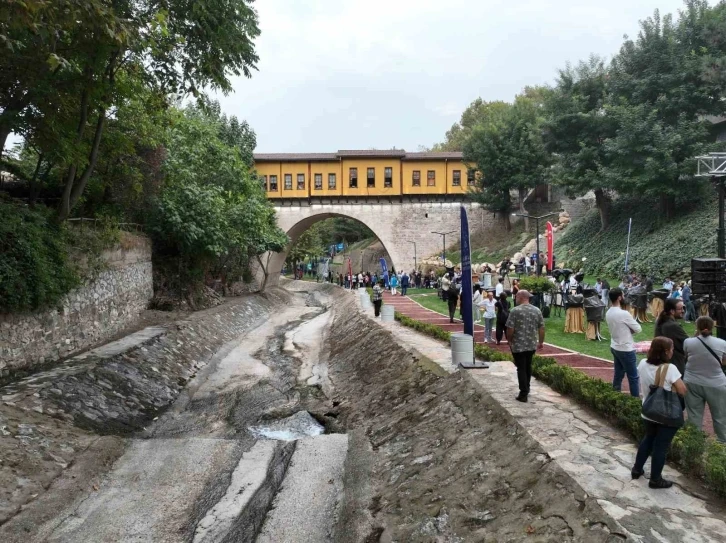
657, 246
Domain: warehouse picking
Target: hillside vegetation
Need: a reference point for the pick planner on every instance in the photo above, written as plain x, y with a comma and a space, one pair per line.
658, 247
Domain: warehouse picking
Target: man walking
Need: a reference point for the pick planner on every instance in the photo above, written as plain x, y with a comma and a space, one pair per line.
686, 295
378, 297
525, 334
622, 326
405, 279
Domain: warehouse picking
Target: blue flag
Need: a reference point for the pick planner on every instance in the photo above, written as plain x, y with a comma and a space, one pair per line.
384, 271
466, 288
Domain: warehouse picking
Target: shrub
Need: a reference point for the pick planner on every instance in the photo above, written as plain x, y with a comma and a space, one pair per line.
715, 466
35, 270
536, 285
688, 447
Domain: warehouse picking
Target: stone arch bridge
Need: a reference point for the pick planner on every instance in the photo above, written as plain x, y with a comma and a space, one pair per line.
395, 224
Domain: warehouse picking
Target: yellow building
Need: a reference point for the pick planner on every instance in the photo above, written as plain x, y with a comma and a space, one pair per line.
362, 174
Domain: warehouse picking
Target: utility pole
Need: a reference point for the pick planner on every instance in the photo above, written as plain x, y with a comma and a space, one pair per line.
538, 268
415, 265
443, 255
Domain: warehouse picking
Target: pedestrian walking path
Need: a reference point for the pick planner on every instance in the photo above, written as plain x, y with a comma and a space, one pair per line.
590, 365
591, 452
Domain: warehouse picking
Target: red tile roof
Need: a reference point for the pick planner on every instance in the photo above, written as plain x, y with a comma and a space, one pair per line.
293, 157
431, 155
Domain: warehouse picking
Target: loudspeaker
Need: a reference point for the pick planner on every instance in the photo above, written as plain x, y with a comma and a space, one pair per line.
715, 289
708, 264
710, 276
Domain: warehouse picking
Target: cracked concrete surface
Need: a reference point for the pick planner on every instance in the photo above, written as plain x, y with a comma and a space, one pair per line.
597, 456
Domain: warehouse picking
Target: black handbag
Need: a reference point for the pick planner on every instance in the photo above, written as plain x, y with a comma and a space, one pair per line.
663, 406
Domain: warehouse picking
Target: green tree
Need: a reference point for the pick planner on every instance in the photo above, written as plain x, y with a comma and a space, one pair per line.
658, 97
81, 49
576, 129
478, 113
510, 155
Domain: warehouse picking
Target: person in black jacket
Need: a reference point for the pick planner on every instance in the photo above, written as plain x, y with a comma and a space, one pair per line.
667, 326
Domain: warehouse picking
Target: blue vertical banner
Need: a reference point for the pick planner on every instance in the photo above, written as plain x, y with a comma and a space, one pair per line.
384, 272
466, 288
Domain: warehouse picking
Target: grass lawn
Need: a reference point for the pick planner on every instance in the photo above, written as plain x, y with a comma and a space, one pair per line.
555, 328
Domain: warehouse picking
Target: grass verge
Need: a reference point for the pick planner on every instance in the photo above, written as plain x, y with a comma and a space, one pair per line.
693, 451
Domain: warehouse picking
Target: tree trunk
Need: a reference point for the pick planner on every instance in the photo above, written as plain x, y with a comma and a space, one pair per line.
92, 159
506, 223
4, 134
603, 206
522, 196
667, 206
33, 189
264, 272
64, 207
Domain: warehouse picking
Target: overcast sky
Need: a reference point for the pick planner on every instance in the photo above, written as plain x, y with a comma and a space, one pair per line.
360, 74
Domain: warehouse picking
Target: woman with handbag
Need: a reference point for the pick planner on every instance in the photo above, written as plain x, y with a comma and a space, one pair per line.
706, 356
662, 413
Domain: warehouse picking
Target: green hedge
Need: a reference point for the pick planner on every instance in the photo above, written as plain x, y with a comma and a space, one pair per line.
35, 268
694, 451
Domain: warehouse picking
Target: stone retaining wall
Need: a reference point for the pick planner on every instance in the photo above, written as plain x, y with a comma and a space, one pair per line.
89, 315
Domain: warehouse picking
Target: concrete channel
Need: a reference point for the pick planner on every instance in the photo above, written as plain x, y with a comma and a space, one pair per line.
316, 425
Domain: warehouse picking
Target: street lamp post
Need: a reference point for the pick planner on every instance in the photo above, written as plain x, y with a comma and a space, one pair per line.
536, 223
443, 255
415, 265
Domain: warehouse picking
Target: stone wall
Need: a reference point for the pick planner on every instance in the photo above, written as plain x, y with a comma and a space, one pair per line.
88, 315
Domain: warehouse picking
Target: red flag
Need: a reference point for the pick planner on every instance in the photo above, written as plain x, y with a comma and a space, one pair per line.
550, 245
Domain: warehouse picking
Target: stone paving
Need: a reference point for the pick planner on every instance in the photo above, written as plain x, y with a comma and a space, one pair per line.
591, 365
595, 455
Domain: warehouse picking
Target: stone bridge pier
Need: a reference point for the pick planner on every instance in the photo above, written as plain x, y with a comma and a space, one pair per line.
396, 224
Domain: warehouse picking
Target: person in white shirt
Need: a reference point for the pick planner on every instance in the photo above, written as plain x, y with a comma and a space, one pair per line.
500, 287
527, 264
476, 302
658, 437
622, 326
489, 306
668, 284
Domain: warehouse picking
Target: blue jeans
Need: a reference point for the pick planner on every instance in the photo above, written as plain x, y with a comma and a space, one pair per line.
625, 365
655, 444
488, 325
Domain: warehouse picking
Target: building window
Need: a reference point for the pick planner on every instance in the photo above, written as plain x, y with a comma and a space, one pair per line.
470, 177
273, 183
263, 181
388, 177
354, 178
288, 181
301, 181
417, 178
371, 177
318, 181
431, 178
331, 181
457, 178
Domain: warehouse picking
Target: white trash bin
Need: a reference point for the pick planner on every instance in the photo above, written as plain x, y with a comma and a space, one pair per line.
462, 349
487, 279
388, 313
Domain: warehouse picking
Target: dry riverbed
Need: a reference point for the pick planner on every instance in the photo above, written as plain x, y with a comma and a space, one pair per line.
306, 423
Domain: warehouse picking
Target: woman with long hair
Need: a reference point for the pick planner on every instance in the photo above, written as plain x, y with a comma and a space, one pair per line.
706, 356
502, 309
658, 437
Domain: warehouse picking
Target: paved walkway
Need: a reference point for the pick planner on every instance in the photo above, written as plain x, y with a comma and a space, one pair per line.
590, 365
595, 455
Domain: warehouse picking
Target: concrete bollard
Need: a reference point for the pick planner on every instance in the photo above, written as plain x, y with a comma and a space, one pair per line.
462, 349
387, 313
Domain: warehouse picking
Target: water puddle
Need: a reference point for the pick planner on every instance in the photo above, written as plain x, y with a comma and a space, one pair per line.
297, 426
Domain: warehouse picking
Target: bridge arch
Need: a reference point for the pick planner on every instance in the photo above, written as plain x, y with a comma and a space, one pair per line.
295, 229
396, 224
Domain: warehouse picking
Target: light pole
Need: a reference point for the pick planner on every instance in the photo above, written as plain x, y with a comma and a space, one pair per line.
443, 255
415, 266
536, 222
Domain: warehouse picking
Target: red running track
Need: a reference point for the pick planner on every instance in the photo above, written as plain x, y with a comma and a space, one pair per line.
592, 366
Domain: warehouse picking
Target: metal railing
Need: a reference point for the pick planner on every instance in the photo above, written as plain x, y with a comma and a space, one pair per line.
127, 226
